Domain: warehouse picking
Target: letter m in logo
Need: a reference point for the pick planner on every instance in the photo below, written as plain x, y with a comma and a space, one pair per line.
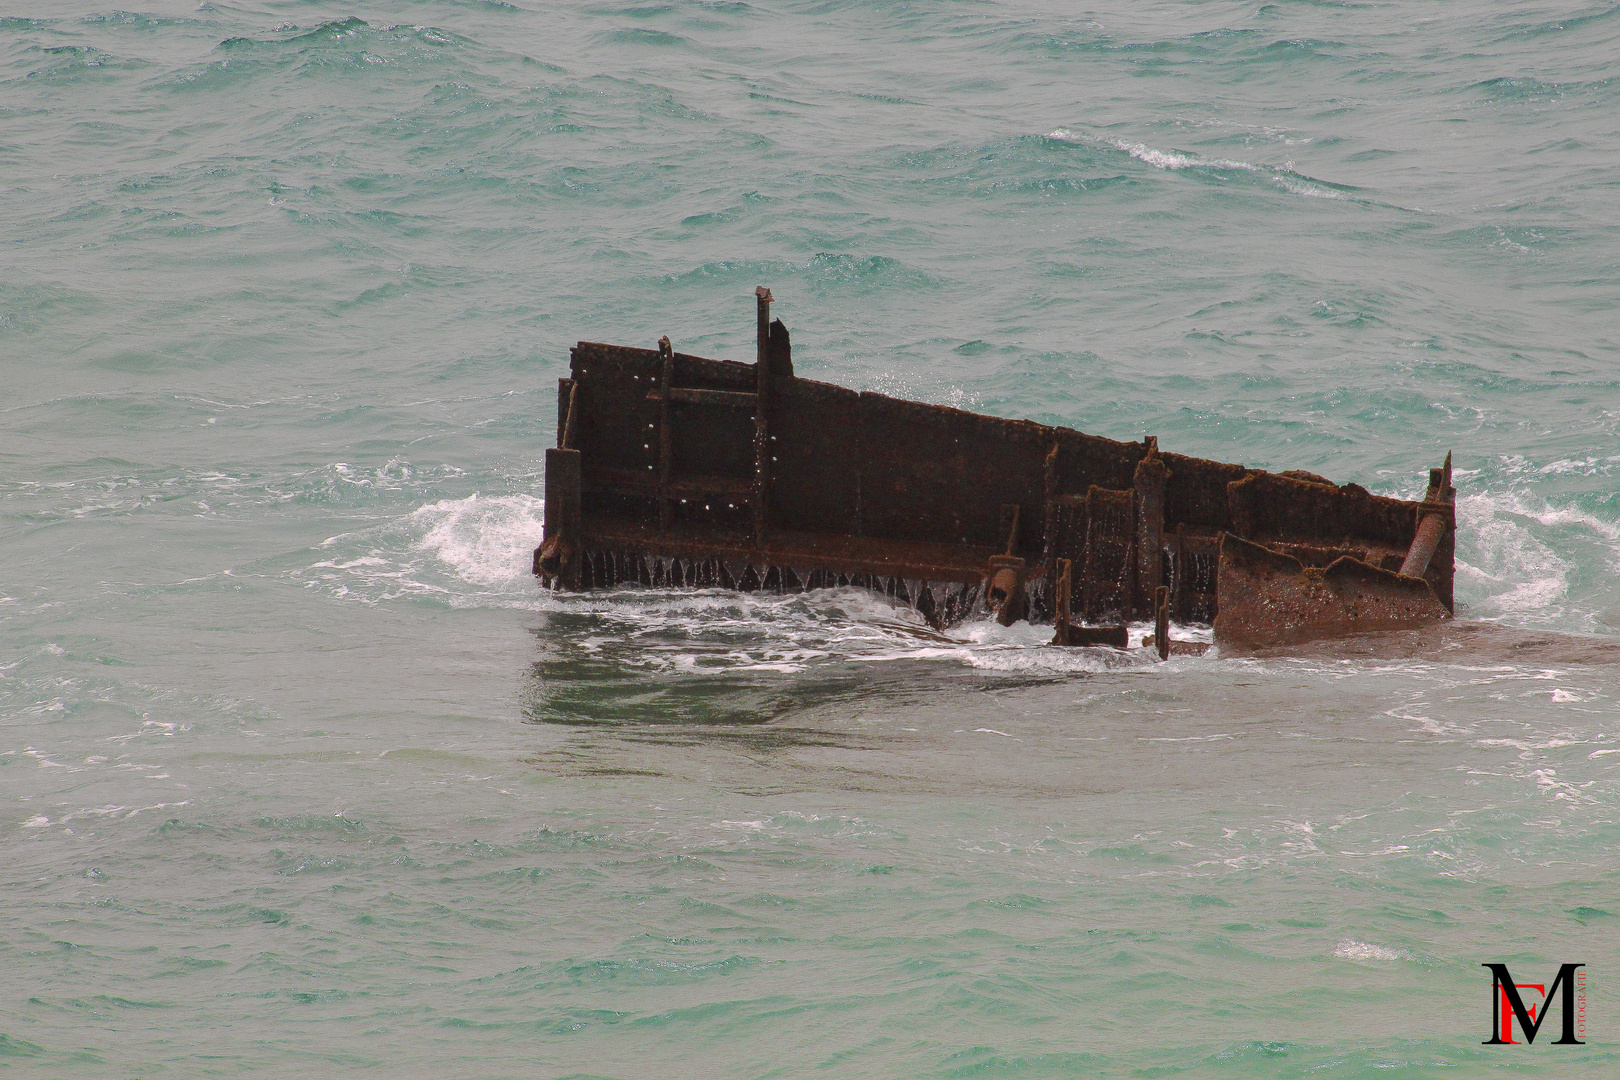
1507, 1006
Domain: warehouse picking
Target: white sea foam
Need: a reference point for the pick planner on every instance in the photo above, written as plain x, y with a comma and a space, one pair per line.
477, 551
469, 552
483, 540
1284, 175
1517, 555
1361, 950
702, 632
1159, 159
1298, 186
1170, 159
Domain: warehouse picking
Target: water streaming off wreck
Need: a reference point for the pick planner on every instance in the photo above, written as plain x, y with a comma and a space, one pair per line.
307, 776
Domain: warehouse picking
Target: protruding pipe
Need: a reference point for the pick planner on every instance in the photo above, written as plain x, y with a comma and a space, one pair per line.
1004, 589
1429, 534
1431, 526
1004, 585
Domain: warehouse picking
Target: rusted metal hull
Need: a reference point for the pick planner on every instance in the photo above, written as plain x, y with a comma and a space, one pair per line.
1268, 599
680, 470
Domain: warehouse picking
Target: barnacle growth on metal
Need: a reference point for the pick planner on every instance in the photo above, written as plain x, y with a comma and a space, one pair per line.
676, 470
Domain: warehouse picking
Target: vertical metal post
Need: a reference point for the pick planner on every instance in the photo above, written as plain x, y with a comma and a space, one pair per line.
1089, 584
1161, 621
666, 435
1063, 603
560, 553
762, 394
1149, 481
1049, 517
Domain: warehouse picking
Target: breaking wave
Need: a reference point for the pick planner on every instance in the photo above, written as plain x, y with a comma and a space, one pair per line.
1283, 176
471, 552
1526, 559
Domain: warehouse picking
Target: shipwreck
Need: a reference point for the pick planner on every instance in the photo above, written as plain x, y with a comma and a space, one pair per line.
677, 470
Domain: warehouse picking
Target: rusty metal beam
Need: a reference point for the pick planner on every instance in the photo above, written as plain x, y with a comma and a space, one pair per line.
666, 428
1161, 621
762, 395
557, 558
684, 396
1149, 481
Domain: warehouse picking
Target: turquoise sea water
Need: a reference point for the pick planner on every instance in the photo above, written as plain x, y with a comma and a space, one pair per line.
303, 776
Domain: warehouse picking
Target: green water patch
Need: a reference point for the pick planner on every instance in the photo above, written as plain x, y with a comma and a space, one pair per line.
13, 1047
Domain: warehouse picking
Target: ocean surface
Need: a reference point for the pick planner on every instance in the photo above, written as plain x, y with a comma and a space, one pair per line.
302, 775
